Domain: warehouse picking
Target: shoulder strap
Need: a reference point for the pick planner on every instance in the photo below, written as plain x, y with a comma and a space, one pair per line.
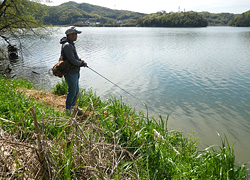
62, 54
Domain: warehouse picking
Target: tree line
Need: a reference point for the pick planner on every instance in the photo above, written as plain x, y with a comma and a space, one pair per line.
242, 20
27, 15
84, 14
87, 14
181, 19
218, 19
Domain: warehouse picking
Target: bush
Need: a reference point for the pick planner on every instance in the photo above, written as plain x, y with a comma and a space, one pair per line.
61, 88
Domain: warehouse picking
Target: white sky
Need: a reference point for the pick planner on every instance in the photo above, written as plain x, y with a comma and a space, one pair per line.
152, 6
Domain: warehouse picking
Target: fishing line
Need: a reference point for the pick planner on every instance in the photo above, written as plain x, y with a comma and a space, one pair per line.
117, 86
50, 61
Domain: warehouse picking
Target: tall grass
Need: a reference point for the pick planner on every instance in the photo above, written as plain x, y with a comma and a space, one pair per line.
61, 88
109, 141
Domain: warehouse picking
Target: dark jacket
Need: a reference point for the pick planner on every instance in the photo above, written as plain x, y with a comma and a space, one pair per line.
69, 53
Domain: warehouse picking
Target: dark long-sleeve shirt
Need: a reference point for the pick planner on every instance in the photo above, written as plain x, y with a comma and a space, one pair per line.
69, 53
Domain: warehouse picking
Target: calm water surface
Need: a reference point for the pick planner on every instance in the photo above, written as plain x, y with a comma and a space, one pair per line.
201, 76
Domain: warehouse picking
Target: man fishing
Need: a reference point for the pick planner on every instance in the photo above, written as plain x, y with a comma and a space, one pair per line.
69, 53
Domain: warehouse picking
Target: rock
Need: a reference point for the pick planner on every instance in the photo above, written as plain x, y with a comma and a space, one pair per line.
12, 52
5, 66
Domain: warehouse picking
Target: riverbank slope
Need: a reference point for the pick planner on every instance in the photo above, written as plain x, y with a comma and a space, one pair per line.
109, 141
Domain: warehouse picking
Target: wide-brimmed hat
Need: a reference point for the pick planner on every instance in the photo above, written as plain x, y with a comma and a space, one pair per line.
72, 30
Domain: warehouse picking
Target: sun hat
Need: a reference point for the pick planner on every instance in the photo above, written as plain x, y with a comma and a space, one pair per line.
72, 30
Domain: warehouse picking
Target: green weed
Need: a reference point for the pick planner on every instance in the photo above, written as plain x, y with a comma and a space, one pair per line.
111, 141
61, 88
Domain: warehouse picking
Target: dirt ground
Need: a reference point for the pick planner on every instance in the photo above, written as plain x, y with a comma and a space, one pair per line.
58, 102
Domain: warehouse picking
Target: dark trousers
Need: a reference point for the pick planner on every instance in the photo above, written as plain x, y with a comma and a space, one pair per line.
73, 88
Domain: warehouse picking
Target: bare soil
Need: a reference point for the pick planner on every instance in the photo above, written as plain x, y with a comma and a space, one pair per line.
58, 102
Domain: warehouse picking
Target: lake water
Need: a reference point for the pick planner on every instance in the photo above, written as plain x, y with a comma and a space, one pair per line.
200, 76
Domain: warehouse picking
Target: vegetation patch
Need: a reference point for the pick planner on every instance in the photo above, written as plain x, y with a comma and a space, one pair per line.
182, 19
109, 141
242, 20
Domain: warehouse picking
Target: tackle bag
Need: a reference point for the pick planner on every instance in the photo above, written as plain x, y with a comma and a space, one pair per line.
61, 68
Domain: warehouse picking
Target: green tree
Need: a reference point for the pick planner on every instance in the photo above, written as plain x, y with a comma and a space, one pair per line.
20, 18
242, 20
72, 13
218, 19
183, 19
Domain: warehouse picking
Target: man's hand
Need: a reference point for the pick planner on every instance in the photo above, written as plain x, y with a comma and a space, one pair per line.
84, 63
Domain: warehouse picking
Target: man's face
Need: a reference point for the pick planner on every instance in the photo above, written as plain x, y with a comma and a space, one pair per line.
72, 37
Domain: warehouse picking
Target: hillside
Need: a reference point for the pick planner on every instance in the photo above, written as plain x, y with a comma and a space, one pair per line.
181, 19
86, 14
90, 15
218, 19
242, 20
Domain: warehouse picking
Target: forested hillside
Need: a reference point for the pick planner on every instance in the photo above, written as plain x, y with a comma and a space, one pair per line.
242, 20
90, 15
218, 19
87, 14
181, 19
84, 14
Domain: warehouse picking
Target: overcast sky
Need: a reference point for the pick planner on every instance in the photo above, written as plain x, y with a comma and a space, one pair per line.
152, 6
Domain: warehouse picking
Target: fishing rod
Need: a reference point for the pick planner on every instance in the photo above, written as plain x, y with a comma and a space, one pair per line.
46, 61
117, 86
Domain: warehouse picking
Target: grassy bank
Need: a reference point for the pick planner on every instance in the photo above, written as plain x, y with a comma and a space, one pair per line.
109, 141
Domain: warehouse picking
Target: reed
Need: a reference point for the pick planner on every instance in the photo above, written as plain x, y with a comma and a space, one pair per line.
110, 140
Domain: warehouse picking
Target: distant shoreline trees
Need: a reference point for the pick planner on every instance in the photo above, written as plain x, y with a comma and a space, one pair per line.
182, 19
242, 20
84, 14
218, 19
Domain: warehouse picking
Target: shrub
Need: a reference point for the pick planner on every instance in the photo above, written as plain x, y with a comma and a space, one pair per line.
61, 88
